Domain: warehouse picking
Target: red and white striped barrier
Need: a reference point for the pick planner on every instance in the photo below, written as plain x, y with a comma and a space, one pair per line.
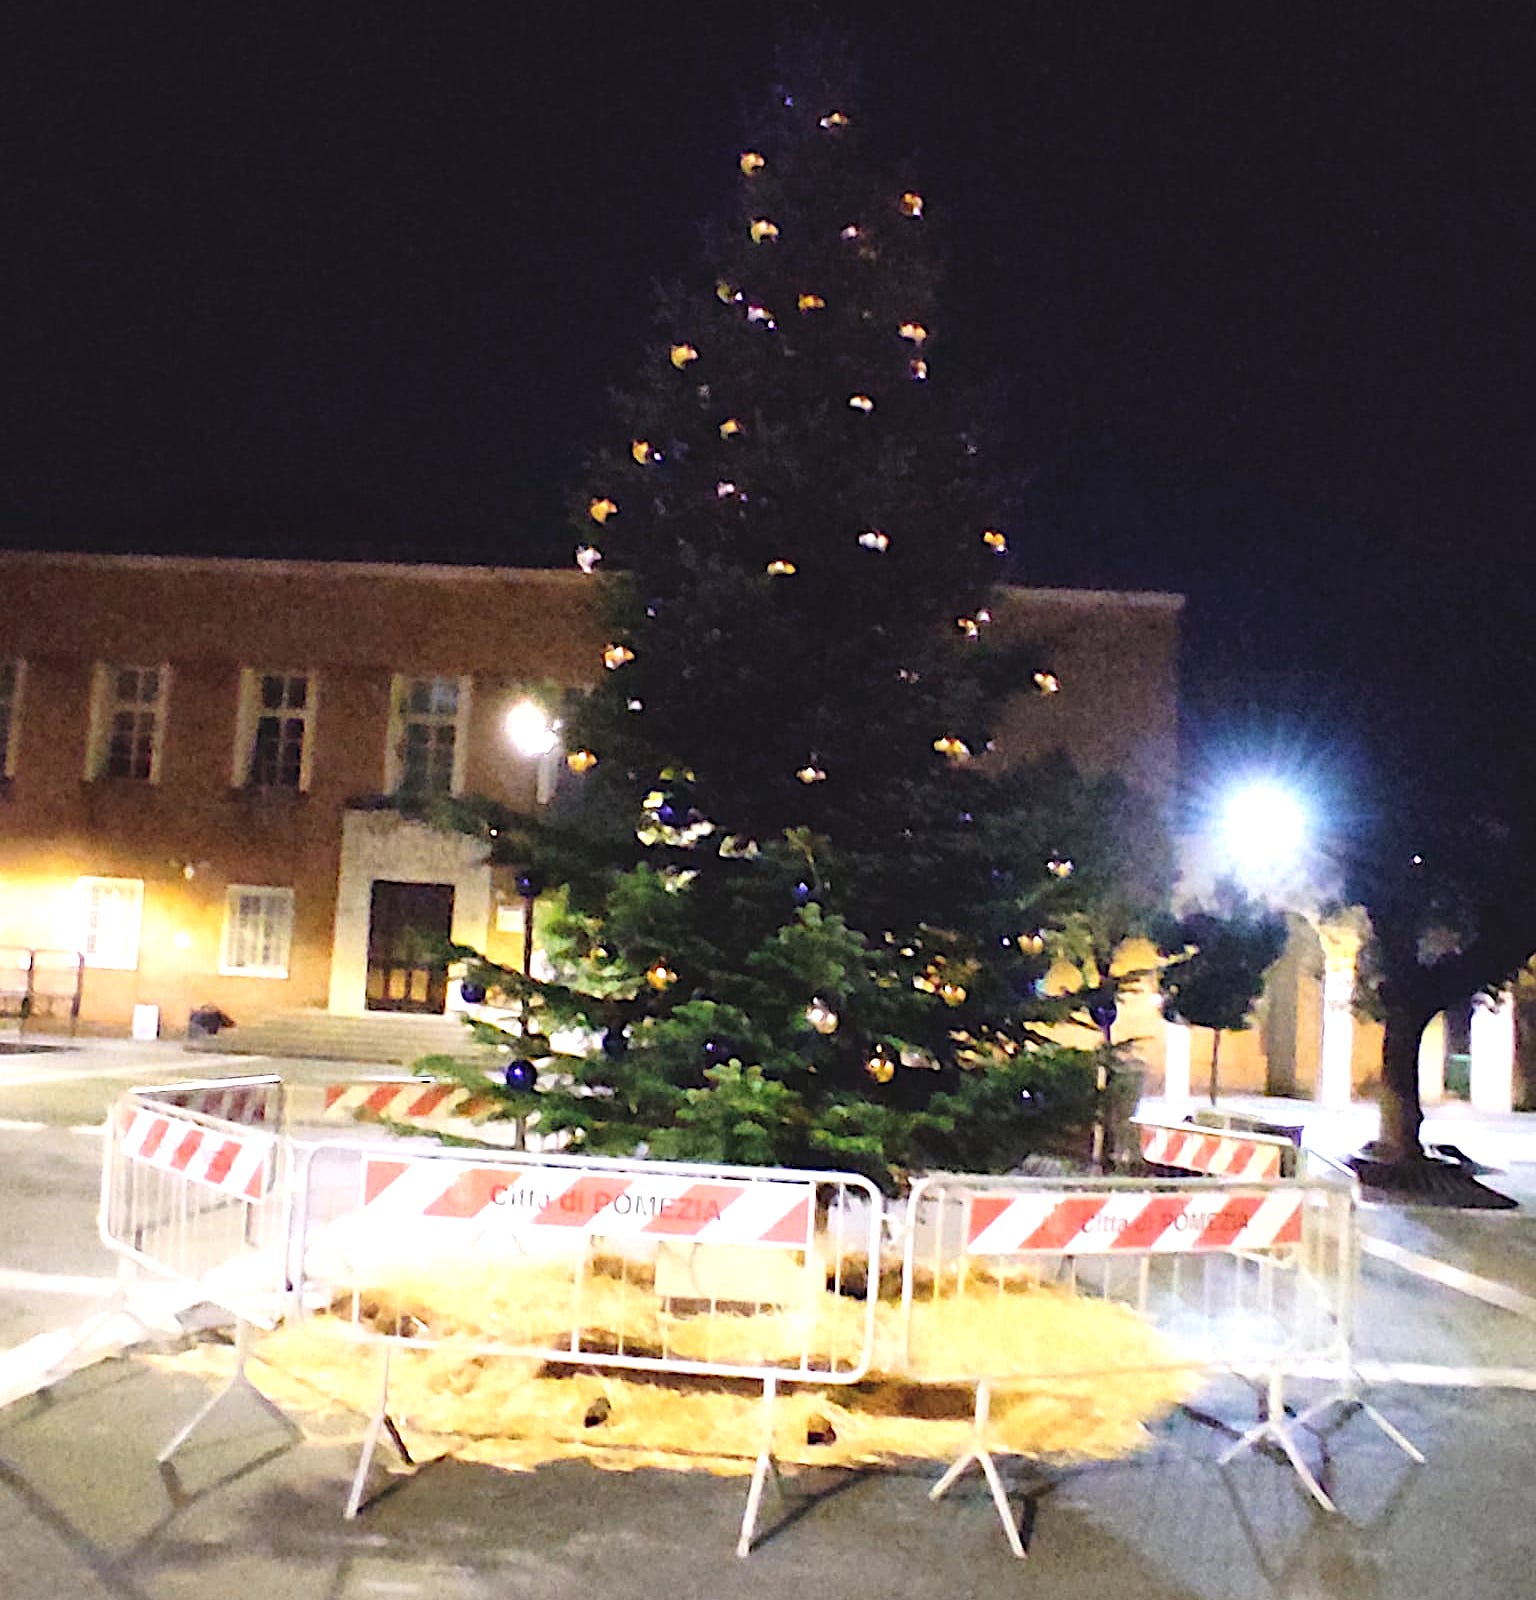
247, 1103
417, 1100
581, 1202
1132, 1220
236, 1163
1214, 1151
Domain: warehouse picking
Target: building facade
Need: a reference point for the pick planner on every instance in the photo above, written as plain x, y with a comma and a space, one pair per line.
203, 764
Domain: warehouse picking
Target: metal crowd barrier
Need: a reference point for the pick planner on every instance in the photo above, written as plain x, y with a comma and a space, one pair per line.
208, 1183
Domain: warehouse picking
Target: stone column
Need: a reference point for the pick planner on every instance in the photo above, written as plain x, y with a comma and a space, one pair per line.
1341, 937
1176, 1061
1432, 1062
1493, 1053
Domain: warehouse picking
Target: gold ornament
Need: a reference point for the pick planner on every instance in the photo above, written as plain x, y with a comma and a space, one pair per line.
811, 302
821, 1016
994, 540
1047, 683
861, 402
660, 976
580, 761
834, 119
952, 994
726, 293
1059, 867
640, 449
911, 204
730, 428
682, 354
955, 749
983, 616
762, 228
873, 539
601, 510
616, 656
879, 1066
914, 331
751, 162
760, 314
781, 569
810, 773
587, 557
724, 490
917, 369
969, 627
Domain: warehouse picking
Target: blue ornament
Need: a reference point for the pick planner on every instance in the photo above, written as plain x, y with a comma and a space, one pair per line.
666, 813
800, 893
522, 1075
615, 1043
472, 994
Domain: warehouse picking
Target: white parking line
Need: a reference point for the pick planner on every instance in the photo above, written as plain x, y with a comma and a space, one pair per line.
11, 1125
19, 1281
1488, 1290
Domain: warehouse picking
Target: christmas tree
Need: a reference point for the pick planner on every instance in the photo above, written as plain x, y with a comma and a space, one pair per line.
793, 914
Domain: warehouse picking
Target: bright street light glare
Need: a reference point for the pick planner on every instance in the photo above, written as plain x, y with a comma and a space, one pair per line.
1263, 826
530, 729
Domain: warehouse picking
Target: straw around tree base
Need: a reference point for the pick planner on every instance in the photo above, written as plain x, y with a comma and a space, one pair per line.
517, 1413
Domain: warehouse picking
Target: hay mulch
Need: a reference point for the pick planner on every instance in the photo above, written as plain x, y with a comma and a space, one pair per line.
1038, 1341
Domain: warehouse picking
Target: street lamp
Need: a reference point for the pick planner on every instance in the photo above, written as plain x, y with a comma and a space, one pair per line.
536, 735
1262, 827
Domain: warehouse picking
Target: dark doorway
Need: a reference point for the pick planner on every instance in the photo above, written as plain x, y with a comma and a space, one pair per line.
408, 927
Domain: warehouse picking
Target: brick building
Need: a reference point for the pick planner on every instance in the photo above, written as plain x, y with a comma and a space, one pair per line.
202, 761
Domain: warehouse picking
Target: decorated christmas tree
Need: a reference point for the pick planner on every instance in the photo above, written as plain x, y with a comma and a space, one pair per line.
792, 909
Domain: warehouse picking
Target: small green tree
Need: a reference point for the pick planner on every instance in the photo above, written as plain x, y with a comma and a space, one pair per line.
1217, 963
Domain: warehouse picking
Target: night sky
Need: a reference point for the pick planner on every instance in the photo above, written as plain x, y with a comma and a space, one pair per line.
1254, 281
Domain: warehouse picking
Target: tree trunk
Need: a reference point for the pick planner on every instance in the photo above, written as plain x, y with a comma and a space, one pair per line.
1215, 1059
1402, 1116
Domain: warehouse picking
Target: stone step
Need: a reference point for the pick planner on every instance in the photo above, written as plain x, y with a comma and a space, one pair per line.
386, 1039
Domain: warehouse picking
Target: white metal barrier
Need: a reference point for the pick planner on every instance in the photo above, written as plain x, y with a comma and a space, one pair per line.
206, 1183
646, 1265
1216, 1152
1253, 1278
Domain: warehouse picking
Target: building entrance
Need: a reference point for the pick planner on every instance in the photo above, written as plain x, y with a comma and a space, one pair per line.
409, 925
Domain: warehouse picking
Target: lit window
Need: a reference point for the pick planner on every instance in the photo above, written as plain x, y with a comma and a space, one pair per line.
111, 914
10, 713
258, 932
127, 722
276, 732
426, 743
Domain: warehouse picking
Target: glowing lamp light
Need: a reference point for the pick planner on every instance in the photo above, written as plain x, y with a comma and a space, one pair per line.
1262, 826
1047, 683
996, 541
601, 510
580, 761
730, 428
955, 749
873, 539
851, 232
861, 402
911, 204
616, 656
782, 569
811, 302
724, 489
531, 729
681, 354
763, 229
914, 331
1059, 867
587, 557
751, 163
760, 314
811, 773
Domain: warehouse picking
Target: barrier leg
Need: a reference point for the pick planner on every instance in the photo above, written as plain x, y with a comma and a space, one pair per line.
1282, 1431
983, 1458
238, 1379
1350, 1396
379, 1422
762, 1468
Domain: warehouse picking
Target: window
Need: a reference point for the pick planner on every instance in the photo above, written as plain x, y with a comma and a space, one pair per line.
258, 931
127, 722
276, 733
111, 914
10, 713
426, 746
